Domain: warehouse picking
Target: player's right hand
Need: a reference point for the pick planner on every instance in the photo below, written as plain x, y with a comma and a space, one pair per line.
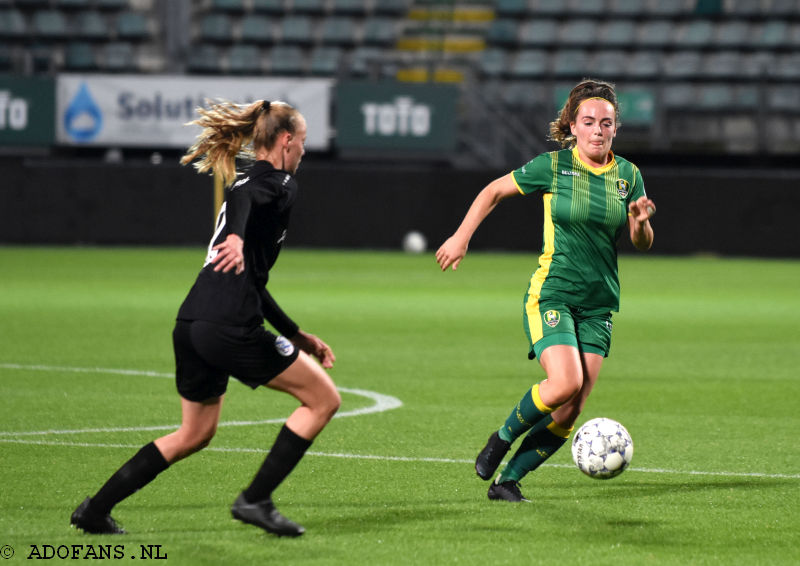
451, 252
230, 255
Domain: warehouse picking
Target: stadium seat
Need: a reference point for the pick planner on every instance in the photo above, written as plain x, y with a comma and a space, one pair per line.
49, 25
230, 6
529, 64
577, 31
617, 33
783, 98
380, 31
793, 36
523, 95
695, 33
655, 34
118, 57
783, 8
392, 7
244, 60
581, 8
493, 62
538, 33
667, 8
571, 63
722, 65
43, 57
325, 61
204, 58
73, 4
756, 66
296, 30
150, 58
12, 25
338, 30
748, 97
112, 4
550, 7
216, 28
644, 65
349, 7
682, 65
502, 32
80, 56
746, 8
786, 66
132, 26
610, 63
511, 8
772, 34
715, 97
679, 95
31, 4
91, 26
362, 60
732, 34
268, 6
287, 60
257, 28
312, 7
626, 8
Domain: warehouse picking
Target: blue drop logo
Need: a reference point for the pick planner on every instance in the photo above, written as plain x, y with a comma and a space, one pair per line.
83, 119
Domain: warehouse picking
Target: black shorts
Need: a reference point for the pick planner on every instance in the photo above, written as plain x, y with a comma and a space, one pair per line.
206, 354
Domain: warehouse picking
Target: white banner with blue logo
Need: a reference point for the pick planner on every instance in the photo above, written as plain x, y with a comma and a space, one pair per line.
150, 111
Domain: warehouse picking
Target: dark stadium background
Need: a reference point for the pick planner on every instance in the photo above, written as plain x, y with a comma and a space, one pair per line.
710, 92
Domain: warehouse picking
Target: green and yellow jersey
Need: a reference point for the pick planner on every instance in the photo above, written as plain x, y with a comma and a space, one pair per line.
585, 211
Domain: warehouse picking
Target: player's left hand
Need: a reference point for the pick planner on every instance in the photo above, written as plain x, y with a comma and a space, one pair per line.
314, 346
230, 255
642, 209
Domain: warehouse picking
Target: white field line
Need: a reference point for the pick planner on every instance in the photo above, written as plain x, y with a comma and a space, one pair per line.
755, 475
381, 403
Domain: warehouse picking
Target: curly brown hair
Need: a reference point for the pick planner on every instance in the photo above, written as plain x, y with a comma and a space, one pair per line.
560, 131
236, 130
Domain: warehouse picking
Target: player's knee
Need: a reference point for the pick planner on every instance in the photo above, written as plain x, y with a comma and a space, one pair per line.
331, 404
566, 388
200, 439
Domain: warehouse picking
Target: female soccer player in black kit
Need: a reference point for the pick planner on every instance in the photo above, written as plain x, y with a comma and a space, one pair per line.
219, 329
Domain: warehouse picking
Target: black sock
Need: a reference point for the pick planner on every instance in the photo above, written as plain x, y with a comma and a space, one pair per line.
281, 460
131, 477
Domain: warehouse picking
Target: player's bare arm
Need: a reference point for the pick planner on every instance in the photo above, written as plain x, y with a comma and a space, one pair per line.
453, 250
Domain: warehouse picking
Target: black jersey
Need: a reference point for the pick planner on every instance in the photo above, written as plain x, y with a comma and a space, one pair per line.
257, 209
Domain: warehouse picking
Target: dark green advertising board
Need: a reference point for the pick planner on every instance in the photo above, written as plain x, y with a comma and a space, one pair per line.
392, 116
27, 110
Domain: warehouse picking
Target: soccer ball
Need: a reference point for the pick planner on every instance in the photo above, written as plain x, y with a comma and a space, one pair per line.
414, 242
602, 448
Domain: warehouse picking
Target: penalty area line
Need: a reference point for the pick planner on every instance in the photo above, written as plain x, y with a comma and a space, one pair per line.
409, 459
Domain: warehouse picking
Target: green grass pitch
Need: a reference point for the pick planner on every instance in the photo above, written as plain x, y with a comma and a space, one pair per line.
704, 373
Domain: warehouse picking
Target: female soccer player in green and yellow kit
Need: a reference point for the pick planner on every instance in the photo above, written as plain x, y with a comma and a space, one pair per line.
590, 196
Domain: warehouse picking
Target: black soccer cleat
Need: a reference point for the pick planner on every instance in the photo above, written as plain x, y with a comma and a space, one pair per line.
506, 491
491, 456
263, 514
86, 519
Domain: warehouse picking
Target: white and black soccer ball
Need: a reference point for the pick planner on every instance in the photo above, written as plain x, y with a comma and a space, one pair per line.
602, 448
